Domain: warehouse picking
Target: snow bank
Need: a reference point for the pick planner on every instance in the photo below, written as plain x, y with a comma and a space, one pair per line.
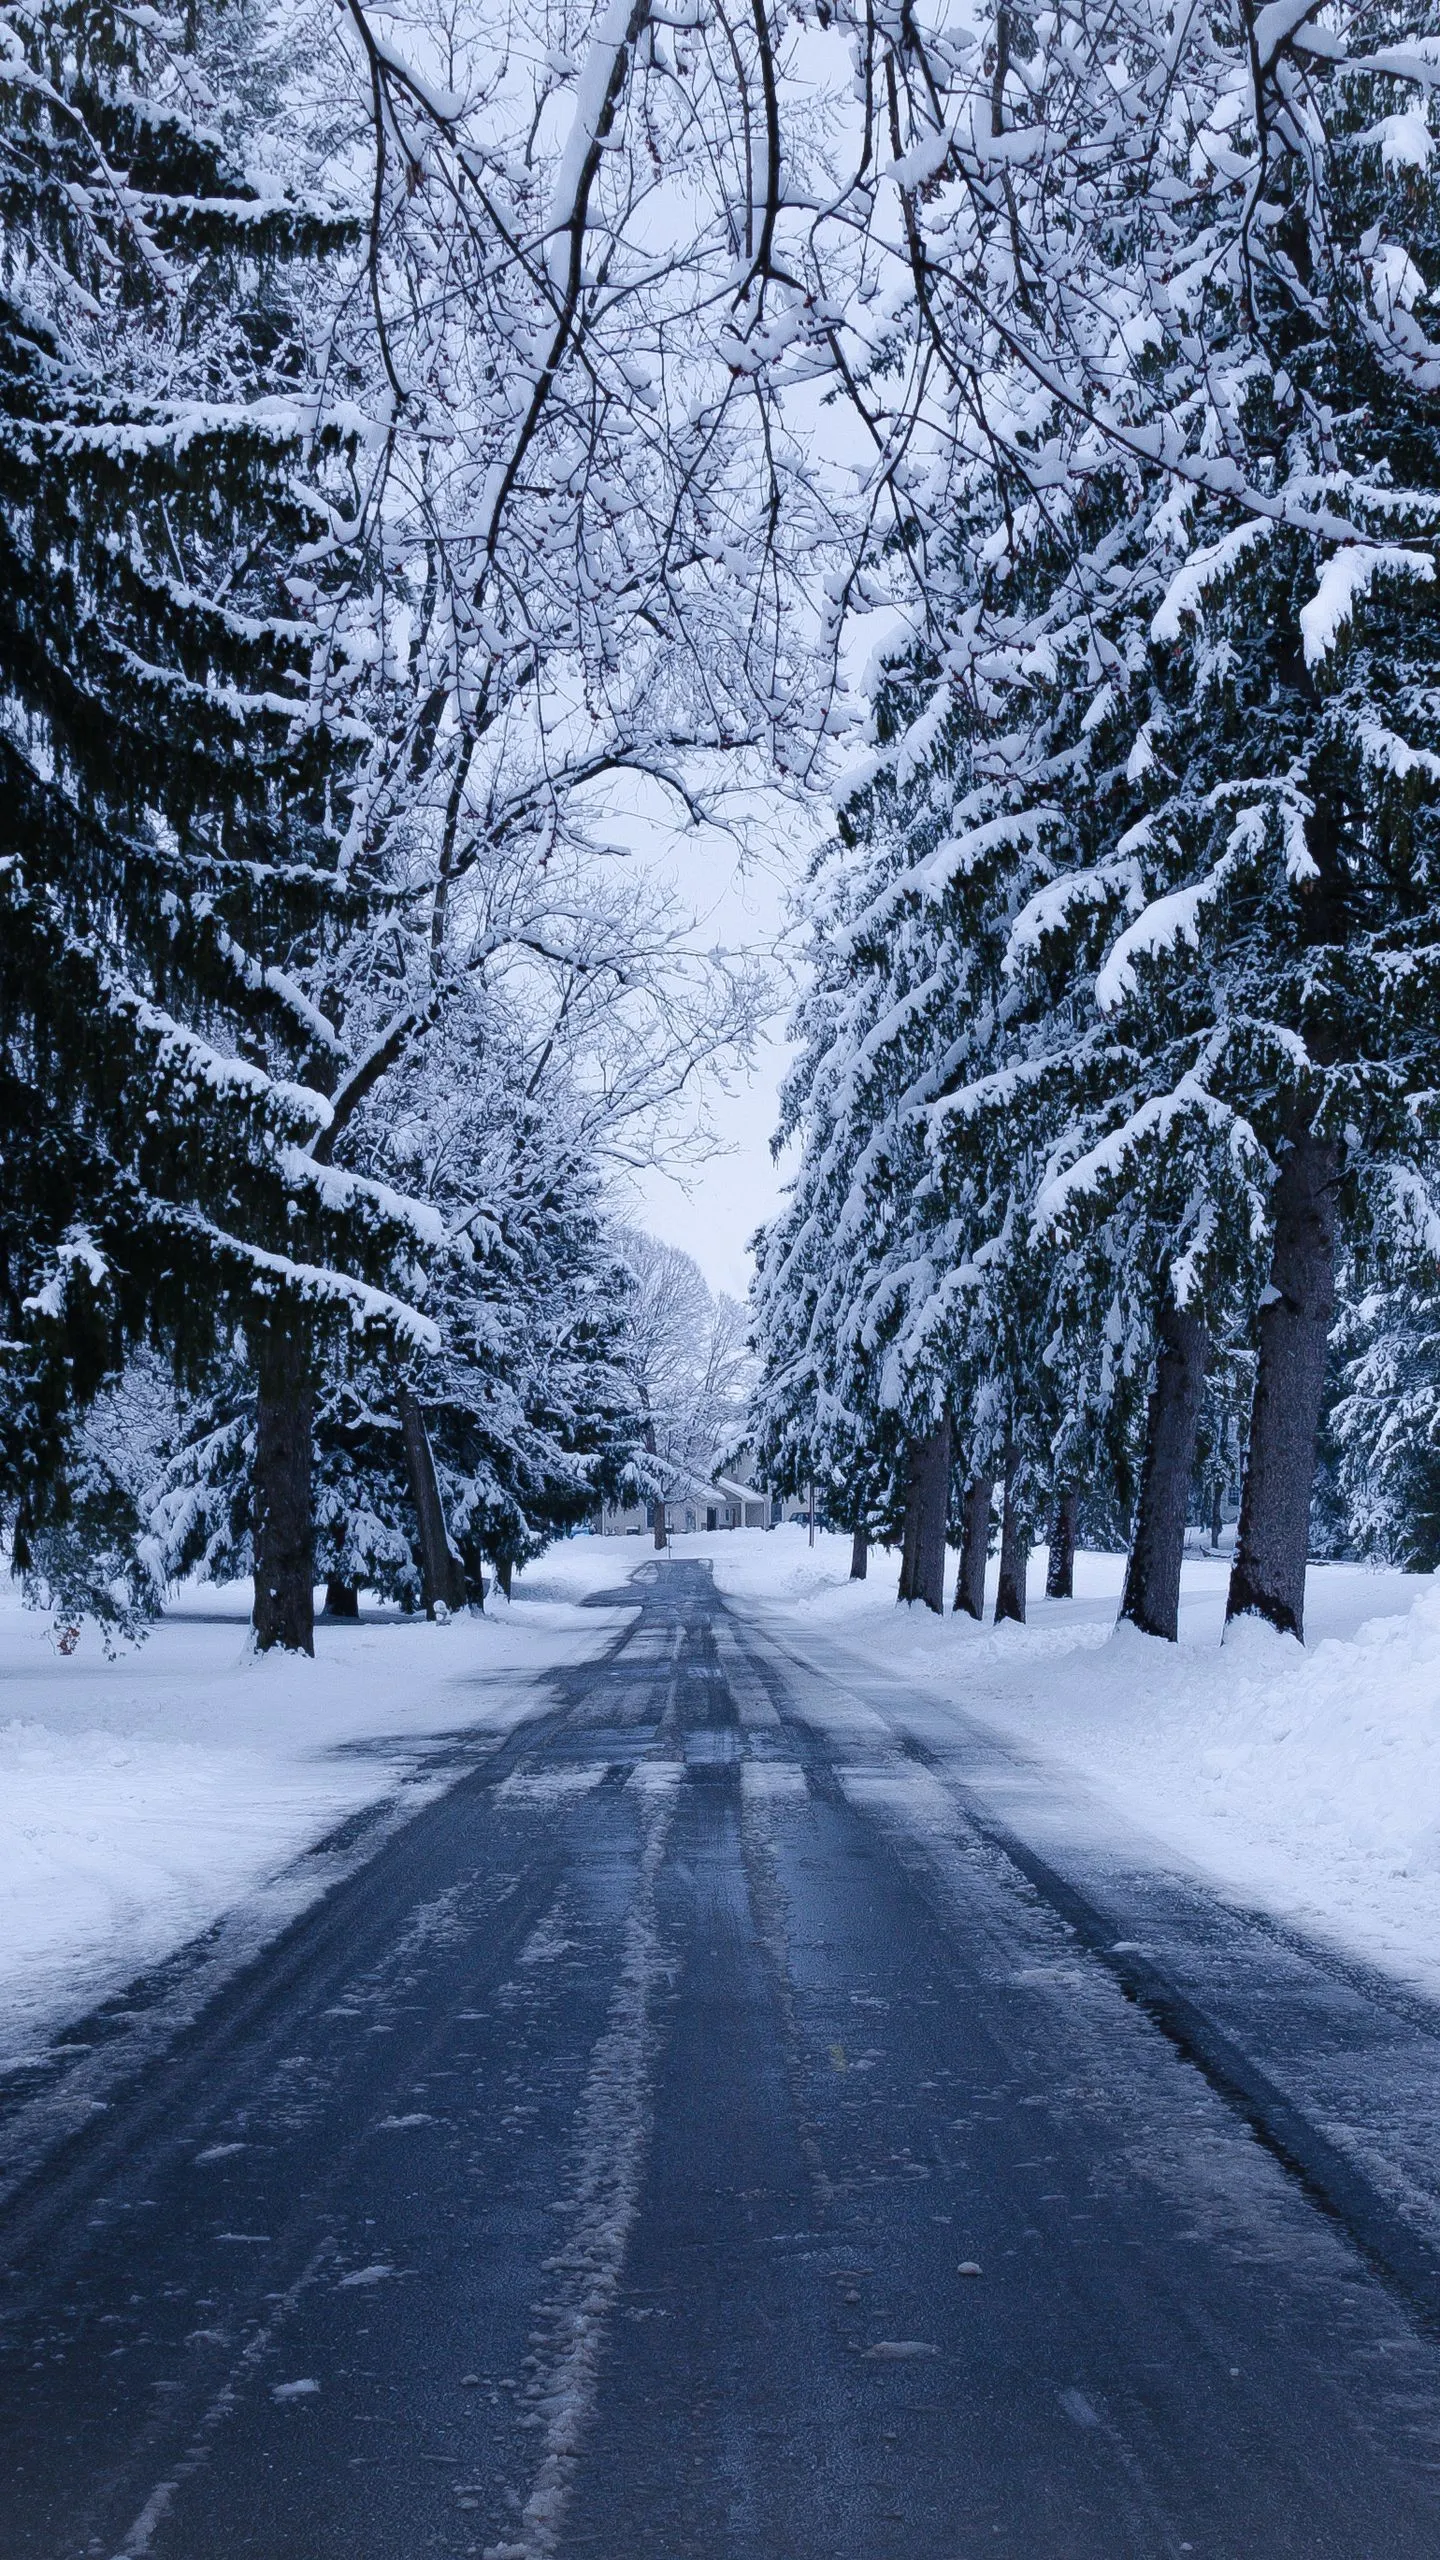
142, 1797
1307, 1781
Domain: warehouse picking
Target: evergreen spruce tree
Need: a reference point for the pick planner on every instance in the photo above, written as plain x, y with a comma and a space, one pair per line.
524, 1411
174, 754
1243, 1061
1383, 1428
1028, 540
838, 1270
896, 1299
1276, 983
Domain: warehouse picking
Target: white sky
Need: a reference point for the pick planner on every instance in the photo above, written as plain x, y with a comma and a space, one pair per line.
711, 1208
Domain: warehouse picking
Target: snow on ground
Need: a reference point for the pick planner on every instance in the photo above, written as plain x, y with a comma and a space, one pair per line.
1307, 1781
142, 1797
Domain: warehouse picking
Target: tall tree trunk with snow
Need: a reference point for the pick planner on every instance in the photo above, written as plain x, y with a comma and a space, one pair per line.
1014, 1550
1267, 1579
910, 1524
927, 1504
1060, 1570
1151, 1599
974, 1546
282, 1522
657, 1509
859, 1550
443, 1573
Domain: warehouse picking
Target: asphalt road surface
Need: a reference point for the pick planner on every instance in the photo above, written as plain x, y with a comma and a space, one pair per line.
668, 2147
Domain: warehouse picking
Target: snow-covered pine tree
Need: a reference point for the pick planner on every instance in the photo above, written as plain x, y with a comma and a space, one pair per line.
817, 1420
1023, 262
1268, 373
1008, 545
174, 761
829, 1408
528, 1408
1384, 1426
1278, 978
524, 1408
1138, 1252
894, 1298
528, 1414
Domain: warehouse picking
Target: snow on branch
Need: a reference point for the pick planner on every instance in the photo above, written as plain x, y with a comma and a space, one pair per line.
1394, 755
1209, 568
595, 93
76, 1251
1417, 60
321, 1288
1348, 575
960, 856
340, 1192
1283, 22
1135, 1139
183, 1052
1166, 921
993, 1092
443, 104
1416, 1209
1050, 910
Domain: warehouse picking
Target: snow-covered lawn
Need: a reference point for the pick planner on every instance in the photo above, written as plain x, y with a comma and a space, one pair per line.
142, 1797
1307, 1780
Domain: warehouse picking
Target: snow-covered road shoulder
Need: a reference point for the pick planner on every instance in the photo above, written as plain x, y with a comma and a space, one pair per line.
141, 1798
1305, 1781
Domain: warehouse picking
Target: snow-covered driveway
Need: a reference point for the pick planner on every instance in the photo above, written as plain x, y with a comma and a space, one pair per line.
711, 2126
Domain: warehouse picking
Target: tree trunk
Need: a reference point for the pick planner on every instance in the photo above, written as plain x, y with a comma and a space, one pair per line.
1151, 1599
909, 1526
927, 1504
859, 1551
657, 1509
1267, 1579
342, 1600
441, 1569
1014, 1553
505, 1573
280, 1346
1060, 1571
974, 1546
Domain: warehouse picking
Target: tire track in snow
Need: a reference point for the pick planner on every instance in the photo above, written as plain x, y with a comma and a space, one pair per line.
612, 2133
135, 2544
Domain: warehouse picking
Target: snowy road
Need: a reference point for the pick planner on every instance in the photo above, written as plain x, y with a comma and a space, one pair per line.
597, 2169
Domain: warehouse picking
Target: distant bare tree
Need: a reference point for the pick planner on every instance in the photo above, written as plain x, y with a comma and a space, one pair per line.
688, 1354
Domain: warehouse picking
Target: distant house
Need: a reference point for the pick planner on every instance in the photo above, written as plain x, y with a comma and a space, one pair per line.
695, 1503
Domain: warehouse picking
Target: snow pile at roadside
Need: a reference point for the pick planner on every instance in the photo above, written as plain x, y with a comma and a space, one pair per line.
142, 1797
1308, 1780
